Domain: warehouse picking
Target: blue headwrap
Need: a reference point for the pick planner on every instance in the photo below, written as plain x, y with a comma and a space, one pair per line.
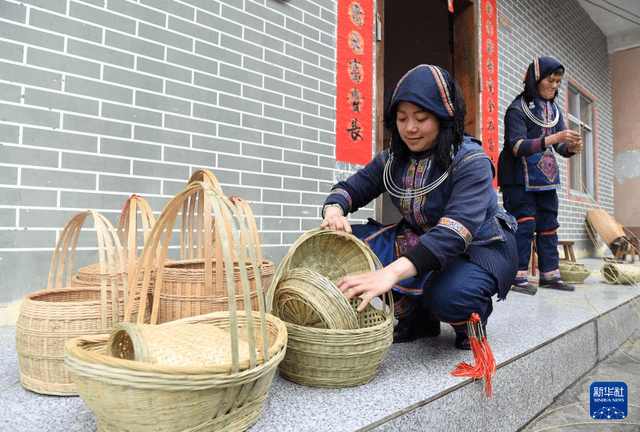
428, 87
542, 67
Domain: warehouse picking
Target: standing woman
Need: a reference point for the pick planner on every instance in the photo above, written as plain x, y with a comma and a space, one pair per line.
454, 247
528, 174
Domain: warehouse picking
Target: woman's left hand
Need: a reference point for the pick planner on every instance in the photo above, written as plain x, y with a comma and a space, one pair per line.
370, 284
575, 147
377, 282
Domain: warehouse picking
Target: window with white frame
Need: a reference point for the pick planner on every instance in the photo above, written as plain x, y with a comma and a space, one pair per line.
582, 173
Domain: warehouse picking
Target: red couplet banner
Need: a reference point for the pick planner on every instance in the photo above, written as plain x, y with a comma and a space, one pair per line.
490, 80
354, 103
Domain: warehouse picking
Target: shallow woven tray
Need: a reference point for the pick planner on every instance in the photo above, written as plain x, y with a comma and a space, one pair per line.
306, 298
574, 273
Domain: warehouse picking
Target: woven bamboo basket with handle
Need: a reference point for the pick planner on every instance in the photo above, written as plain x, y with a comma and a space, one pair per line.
174, 395
243, 210
128, 232
50, 317
323, 357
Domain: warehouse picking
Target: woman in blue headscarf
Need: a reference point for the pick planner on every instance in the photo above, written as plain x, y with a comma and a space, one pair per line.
528, 173
454, 247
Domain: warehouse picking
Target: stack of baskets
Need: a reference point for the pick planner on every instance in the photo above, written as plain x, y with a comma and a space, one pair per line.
330, 343
145, 379
573, 272
50, 317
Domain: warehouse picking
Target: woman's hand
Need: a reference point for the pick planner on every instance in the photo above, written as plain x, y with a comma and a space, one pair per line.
377, 282
571, 137
575, 147
335, 219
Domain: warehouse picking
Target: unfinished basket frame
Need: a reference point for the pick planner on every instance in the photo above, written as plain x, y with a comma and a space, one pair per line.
50, 317
227, 397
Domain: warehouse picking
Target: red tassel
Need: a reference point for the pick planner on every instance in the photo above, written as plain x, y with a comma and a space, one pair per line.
485, 364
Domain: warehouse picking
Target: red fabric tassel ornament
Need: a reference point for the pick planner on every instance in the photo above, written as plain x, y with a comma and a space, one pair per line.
485, 364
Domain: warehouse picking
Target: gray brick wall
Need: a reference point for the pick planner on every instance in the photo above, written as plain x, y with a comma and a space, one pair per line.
561, 29
102, 99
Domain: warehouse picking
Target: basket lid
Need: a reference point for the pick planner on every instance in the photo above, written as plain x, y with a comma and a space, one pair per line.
305, 297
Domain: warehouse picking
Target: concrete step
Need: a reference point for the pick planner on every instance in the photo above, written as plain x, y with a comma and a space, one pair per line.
542, 344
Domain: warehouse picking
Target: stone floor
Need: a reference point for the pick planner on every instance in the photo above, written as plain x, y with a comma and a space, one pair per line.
543, 344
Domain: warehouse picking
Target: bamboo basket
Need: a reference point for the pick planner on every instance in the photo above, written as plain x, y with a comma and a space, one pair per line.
129, 236
327, 357
329, 253
306, 298
50, 317
136, 395
243, 210
606, 226
617, 274
574, 273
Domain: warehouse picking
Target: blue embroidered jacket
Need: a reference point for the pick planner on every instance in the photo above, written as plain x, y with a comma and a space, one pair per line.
523, 159
460, 216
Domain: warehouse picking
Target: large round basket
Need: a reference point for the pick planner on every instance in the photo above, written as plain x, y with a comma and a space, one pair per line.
338, 358
138, 396
574, 273
184, 290
49, 317
323, 357
174, 394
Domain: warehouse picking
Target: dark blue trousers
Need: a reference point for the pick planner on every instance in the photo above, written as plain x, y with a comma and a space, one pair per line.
536, 213
451, 295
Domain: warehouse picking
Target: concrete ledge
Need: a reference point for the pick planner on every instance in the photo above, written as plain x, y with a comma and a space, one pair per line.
542, 344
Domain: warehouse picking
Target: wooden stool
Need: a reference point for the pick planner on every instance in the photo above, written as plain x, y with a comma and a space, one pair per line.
567, 246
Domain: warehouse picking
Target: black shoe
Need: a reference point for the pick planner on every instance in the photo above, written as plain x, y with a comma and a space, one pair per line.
406, 331
559, 285
462, 339
524, 288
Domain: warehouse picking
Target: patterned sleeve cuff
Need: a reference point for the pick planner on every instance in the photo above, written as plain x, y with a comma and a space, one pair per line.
457, 228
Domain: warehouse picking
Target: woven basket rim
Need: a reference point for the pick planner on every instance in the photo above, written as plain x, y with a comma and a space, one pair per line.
329, 332
73, 347
66, 290
321, 289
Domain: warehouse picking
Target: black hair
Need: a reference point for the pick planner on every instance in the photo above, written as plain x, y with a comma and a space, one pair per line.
531, 85
451, 130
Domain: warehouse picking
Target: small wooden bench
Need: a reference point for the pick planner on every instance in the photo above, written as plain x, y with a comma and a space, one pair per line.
567, 247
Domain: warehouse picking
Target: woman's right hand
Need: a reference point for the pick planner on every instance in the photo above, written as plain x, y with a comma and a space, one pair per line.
334, 219
569, 136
